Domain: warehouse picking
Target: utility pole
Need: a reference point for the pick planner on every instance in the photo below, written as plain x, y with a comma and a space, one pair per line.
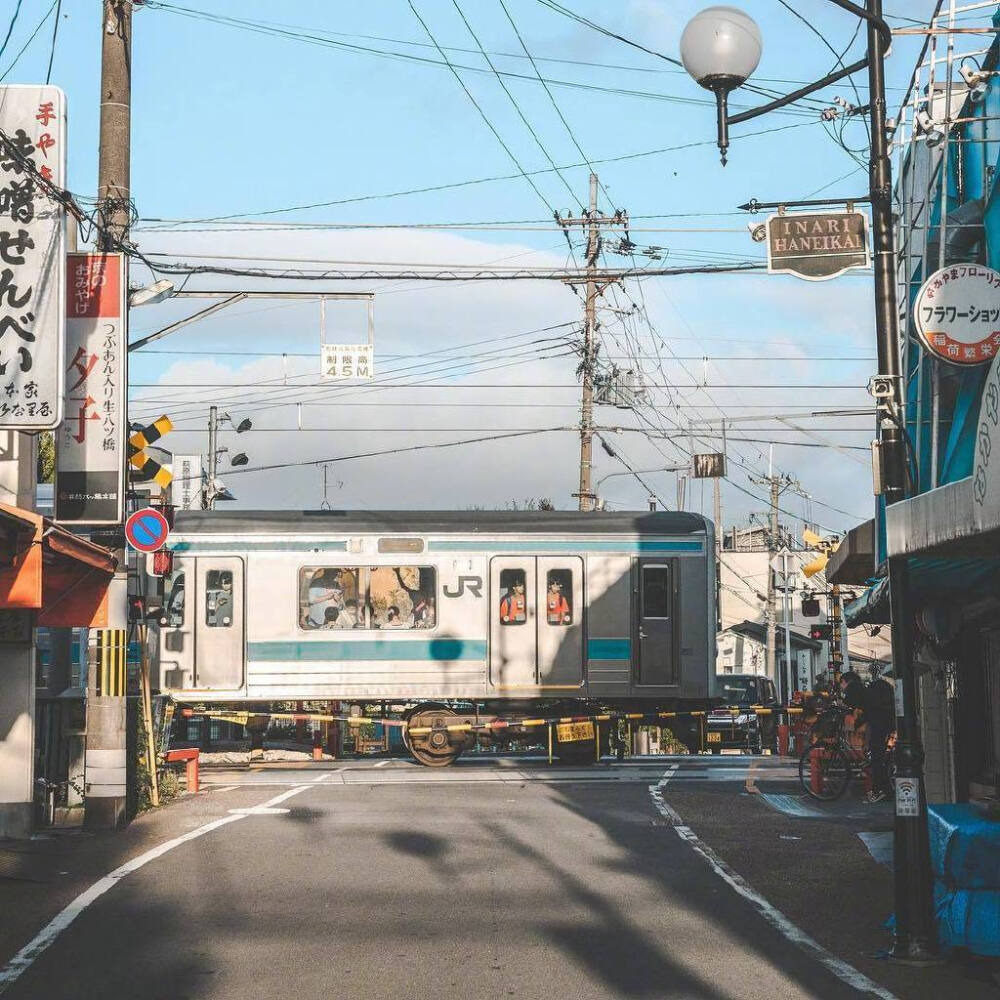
114, 172
213, 456
591, 221
777, 485
107, 725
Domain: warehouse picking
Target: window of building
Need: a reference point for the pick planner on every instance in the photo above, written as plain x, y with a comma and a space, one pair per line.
559, 597
402, 597
513, 600
219, 598
331, 597
655, 592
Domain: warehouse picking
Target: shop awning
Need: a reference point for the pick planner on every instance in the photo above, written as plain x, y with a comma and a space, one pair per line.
853, 562
47, 569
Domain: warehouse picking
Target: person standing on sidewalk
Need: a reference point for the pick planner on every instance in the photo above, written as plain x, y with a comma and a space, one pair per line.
880, 714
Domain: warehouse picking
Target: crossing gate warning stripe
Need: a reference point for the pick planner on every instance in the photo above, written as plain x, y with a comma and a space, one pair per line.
465, 727
111, 647
150, 469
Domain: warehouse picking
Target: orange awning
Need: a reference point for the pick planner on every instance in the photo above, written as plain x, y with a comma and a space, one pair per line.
47, 569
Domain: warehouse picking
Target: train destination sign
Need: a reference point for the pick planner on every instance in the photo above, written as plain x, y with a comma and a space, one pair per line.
817, 245
957, 314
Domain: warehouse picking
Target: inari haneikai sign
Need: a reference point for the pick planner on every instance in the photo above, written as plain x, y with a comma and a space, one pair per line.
90, 444
32, 257
817, 245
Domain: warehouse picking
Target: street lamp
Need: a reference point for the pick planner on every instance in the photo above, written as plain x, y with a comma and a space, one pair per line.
720, 48
717, 47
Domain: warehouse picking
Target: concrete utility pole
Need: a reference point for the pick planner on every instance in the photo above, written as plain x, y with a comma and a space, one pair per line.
777, 485
106, 756
114, 165
592, 221
213, 456
589, 339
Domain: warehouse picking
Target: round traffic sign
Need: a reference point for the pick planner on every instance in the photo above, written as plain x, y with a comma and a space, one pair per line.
146, 530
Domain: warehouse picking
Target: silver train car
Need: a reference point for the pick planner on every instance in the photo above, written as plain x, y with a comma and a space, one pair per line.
453, 613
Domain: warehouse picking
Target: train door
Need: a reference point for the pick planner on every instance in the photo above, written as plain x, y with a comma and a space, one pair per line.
218, 628
559, 583
177, 628
656, 664
513, 590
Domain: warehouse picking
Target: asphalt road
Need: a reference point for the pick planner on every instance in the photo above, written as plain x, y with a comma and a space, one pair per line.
506, 879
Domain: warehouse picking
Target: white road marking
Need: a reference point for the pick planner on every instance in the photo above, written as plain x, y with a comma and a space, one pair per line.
844, 971
261, 811
382, 763
321, 777
224, 788
23, 960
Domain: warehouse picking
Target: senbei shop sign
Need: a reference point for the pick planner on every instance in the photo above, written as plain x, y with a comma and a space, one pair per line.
817, 245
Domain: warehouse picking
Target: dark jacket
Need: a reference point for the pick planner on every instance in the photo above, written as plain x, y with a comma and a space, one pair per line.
855, 694
880, 704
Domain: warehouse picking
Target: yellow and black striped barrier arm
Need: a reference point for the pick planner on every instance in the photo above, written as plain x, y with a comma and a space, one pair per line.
111, 662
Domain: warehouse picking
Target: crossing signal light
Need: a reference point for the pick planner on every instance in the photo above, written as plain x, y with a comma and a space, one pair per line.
147, 469
821, 633
810, 607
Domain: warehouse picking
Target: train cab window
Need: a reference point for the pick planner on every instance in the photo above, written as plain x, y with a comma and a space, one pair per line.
330, 597
513, 603
559, 597
173, 608
219, 598
402, 597
655, 592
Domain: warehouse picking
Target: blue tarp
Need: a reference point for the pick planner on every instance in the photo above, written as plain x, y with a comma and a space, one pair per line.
965, 846
968, 918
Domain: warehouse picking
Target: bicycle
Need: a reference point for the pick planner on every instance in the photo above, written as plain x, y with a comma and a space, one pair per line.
828, 764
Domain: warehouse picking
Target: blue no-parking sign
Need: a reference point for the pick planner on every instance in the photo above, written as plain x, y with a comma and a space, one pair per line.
146, 530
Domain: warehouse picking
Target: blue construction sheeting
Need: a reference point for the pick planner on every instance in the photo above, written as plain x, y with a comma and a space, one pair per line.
965, 858
968, 918
965, 846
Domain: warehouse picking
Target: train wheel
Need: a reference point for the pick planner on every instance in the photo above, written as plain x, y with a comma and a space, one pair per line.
438, 748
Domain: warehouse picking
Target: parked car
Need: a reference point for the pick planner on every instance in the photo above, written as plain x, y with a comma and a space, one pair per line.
726, 729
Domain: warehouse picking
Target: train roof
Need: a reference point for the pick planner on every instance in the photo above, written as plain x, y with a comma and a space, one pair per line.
428, 522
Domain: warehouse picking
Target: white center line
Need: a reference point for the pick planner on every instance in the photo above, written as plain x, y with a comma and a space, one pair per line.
23, 960
841, 969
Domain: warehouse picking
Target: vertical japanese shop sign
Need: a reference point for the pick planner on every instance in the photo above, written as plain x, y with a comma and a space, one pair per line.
90, 444
32, 257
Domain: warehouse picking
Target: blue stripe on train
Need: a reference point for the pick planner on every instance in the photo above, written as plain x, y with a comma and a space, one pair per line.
377, 649
609, 649
409, 649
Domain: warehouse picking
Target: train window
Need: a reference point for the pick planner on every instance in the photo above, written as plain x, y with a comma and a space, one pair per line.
403, 596
513, 603
655, 592
331, 597
219, 598
173, 609
559, 597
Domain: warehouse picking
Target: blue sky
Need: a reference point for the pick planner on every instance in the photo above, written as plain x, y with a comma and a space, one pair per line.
230, 121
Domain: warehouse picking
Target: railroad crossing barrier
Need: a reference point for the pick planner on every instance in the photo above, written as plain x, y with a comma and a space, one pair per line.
632, 718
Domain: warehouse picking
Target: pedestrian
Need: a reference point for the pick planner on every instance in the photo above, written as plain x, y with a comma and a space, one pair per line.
880, 714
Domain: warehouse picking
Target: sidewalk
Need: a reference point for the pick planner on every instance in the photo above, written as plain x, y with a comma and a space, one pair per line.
809, 860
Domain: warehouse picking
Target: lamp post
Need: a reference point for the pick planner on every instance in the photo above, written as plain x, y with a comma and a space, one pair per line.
720, 47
